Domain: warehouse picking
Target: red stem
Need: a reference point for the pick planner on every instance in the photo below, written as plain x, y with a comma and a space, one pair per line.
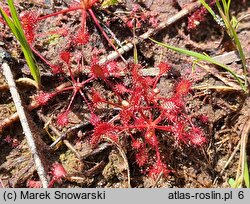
87, 81
59, 12
71, 74
84, 19
39, 55
71, 101
86, 101
156, 81
51, 183
104, 34
65, 89
165, 128
157, 120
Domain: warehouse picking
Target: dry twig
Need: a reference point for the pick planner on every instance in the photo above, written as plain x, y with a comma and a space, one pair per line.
123, 154
25, 124
61, 136
243, 149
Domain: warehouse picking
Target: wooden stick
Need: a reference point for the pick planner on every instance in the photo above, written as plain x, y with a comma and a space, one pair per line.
25, 124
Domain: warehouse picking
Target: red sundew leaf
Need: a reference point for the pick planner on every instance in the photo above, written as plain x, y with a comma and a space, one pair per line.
8, 139
141, 157
135, 8
6, 10
204, 119
137, 144
112, 66
29, 22
198, 16
99, 71
157, 169
114, 69
119, 88
62, 119
172, 105
130, 23
81, 37
135, 71
78, 57
153, 21
102, 128
164, 67
56, 69
97, 98
142, 88
58, 171
125, 116
65, 56
197, 137
179, 132
192, 23
15, 143
136, 94
183, 87
94, 119
144, 16
139, 80
42, 98
34, 184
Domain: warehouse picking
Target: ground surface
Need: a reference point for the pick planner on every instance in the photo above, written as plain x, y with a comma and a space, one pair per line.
227, 111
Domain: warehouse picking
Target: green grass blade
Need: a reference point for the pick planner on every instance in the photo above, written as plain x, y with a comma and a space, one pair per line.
220, 10
32, 64
9, 22
217, 18
17, 30
201, 57
12, 26
228, 8
135, 48
231, 182
14, 15
210, 10
246, 174
21, 35
230, 28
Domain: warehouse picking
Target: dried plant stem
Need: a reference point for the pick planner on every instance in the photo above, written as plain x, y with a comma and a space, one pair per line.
225, 80
104, 34
243, 145
157, 180
60, 136
4, 87
13, 118
152, 31
25, 124
2, 185
123, 154
228, 162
